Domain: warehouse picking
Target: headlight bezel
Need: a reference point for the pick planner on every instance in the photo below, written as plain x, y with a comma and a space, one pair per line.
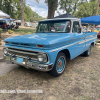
42, 56
5, 50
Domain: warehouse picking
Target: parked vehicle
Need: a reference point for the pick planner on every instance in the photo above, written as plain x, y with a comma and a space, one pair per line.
28, 24
55, 40
8, 24
98, 36
34, 25
18, 22
85, 30
3, 24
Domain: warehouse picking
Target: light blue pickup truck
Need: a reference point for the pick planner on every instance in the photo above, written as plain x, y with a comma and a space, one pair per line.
53, 42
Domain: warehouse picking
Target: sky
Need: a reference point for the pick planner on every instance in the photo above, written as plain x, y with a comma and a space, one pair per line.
41, 8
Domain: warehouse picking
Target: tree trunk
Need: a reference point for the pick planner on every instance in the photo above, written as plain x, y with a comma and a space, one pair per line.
52, 6
97, 7
22, 13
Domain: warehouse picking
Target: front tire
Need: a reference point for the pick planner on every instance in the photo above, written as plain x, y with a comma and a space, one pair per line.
59, 65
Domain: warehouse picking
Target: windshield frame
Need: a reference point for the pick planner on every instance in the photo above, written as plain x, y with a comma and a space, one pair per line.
66, 20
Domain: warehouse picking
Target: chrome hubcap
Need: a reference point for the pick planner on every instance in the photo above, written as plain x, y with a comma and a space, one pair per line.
59, 64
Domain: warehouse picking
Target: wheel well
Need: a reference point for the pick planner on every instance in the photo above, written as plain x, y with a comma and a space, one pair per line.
92, 44
66, 52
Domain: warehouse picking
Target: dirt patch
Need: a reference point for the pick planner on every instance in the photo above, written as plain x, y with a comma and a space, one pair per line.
1, 51
80, 81
6, 35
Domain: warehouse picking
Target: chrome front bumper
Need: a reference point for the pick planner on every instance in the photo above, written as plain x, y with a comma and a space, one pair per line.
28, 63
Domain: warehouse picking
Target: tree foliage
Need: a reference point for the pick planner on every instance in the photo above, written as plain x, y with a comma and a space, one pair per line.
87, 9
13, 8
30, 15
9, 6
70, 6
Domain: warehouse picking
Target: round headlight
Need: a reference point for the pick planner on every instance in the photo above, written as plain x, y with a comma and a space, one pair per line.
5, 51
42, 57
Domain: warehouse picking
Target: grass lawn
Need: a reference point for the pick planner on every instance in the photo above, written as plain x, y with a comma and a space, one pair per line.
22, 30
0, 34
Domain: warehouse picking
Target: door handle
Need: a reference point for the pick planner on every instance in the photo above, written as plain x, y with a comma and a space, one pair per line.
72, 37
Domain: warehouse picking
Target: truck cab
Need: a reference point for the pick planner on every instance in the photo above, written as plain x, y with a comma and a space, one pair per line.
48, 48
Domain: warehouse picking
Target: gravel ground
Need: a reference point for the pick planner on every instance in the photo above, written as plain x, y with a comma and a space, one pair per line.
5, 67
1, 54
1, 50
80, 81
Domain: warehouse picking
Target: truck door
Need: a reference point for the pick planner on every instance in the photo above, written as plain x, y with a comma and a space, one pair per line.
79, 38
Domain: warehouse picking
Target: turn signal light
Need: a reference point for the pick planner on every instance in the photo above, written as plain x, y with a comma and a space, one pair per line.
40, 46
6, 42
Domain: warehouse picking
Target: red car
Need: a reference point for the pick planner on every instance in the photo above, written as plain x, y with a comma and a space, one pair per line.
98, 36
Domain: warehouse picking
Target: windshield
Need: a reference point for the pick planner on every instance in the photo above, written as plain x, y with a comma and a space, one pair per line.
53, 26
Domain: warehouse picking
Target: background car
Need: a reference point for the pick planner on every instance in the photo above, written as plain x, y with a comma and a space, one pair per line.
85, 29
28, 24
34, 25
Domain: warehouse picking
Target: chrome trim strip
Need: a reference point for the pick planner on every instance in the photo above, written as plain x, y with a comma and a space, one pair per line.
73, 44
86, 40
81, 42
63, 47
91, 39
89, 36
37, 66
21, 49
28, 50
21, 52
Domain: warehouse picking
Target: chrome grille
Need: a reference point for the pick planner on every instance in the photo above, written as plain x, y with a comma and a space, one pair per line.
23, 54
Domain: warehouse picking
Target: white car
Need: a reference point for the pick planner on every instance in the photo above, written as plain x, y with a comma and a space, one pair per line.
34, 25
28, 24
85, 30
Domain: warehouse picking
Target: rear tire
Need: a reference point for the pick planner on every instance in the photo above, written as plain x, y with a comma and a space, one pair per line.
59, 65
87, 53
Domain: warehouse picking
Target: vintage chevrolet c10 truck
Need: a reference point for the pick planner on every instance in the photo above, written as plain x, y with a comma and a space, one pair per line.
53, 42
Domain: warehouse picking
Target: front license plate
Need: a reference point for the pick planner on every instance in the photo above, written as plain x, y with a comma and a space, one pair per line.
19, 60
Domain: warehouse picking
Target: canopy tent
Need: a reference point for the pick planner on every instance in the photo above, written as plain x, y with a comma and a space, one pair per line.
91, 20
3, 15
65, 16
5, 19
8, 19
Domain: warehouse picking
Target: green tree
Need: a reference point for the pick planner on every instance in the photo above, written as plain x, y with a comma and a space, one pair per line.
87, 9
13, 8
1, 5
10, 7
70, 6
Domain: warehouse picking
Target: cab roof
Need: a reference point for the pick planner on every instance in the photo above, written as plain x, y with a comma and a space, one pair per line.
59, 19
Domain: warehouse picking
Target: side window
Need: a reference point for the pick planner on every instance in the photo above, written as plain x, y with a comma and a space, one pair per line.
68, 27
76, 27
42, 28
